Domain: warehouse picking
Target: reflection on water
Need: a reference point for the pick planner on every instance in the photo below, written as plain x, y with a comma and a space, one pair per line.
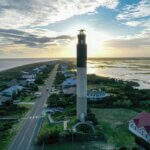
126, 69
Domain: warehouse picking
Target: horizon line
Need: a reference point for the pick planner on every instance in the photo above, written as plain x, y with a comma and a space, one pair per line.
73, 57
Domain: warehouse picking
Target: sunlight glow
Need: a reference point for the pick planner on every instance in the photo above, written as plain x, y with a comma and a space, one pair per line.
94, 39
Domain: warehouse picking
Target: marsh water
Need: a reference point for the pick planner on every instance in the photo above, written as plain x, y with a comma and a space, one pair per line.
131, 69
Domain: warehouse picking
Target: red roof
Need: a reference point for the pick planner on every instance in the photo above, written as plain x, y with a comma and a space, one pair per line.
143, 120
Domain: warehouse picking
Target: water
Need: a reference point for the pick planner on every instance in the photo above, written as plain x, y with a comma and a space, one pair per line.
137, 70
126, 69
11, 63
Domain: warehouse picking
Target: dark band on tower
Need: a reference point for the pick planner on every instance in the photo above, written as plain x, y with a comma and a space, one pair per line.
81, 50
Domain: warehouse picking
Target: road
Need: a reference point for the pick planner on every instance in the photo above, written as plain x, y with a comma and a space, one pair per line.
28, 129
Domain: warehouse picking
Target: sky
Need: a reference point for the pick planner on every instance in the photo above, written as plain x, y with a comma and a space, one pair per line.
49, 28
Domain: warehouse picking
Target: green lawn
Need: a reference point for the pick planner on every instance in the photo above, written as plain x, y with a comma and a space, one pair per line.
90, 145
114, 125
9, 128
28, 98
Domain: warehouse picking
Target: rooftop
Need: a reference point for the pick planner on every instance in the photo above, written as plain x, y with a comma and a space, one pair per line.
143, 120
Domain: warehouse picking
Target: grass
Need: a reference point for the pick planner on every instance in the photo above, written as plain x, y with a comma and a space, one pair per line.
8, 129
28, 98
90, 145
114, 126
6, 135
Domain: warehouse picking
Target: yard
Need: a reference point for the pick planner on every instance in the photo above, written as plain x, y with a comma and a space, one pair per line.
114, 126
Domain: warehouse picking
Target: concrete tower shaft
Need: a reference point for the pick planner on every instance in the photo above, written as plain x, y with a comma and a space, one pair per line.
81, 76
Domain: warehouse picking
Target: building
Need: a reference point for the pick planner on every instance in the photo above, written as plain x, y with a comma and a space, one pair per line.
81, 76
4, 99
140, 126
69, 90
96, 95
30, 81
12, 83
36, 70
28, 75
69, 82
22, 82
68, 74
12, 90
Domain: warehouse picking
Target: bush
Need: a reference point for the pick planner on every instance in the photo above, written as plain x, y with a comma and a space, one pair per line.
59, 78
91, 117
83, 128
50, 134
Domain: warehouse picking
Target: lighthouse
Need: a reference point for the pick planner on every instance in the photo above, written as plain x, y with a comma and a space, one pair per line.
81, 76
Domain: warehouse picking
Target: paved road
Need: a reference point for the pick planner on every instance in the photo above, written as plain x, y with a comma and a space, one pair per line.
28, 129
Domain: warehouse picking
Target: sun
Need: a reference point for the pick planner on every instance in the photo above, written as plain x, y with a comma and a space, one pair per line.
95, 39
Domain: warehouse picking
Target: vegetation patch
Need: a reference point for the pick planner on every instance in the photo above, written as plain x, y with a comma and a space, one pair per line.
114, 125
122, 94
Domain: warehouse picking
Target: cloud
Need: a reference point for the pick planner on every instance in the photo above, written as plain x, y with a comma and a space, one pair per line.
138, 42
12, 36
133, 23
140, 10
22, 13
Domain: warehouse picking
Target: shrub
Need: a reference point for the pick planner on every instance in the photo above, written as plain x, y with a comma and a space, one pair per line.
50, 134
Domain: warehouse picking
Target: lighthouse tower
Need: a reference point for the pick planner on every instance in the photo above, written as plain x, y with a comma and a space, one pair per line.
81, 76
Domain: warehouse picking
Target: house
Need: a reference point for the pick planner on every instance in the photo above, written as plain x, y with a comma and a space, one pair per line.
36, 70
30, 81
64, 67
22, 82
54, 91
68, 74
28, 75
140, 126
96, 95
12, 83
69, 82
4, 99
69, 90
43, 67
10, 91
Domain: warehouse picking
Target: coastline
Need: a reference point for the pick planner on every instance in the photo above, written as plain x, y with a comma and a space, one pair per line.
24, 63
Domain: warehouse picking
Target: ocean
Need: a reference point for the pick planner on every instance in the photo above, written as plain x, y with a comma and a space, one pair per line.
11, 63
131, 69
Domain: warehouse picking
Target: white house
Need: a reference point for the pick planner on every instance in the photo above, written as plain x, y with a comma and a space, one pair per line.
30, 81
69, 82
42, 67
140, 126
69, 90
96, 95
36, 70
28, 76
14, 89
68, 74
